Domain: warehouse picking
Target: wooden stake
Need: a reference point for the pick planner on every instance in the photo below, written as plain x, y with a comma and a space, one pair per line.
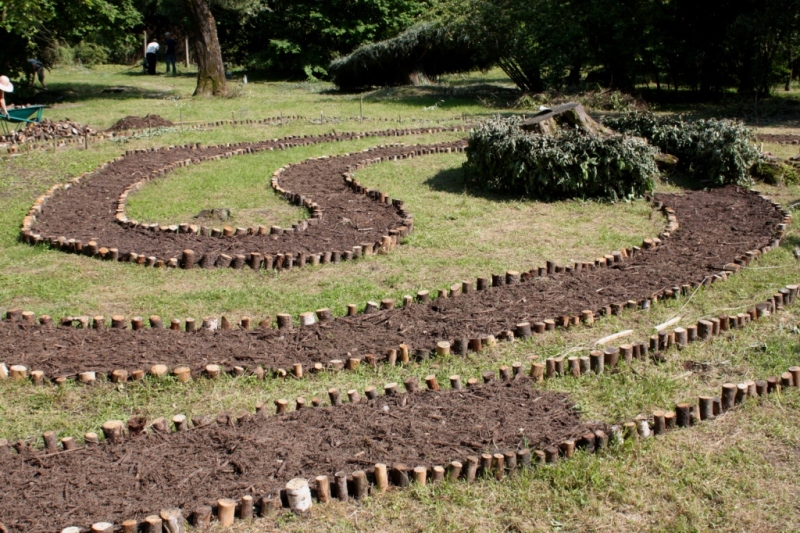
180, 422
225, 512
173, 521
472, 468
201, 517
431, 382
596, 360
246, 509
153, 524
381, 477
659, 423
683, 415
706, 404
454, 470
420, 475
298, 495
442, 348
728, 396
113, 431
323, 489
537, 372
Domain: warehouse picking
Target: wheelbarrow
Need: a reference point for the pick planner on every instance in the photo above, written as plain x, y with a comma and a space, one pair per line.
21, 117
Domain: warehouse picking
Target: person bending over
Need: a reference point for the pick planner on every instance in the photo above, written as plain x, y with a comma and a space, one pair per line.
36, 68
151, 54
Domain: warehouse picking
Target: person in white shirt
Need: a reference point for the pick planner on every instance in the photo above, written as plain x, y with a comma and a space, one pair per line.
151, 56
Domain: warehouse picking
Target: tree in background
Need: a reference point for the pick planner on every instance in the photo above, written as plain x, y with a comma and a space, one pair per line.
301, 37
98, 28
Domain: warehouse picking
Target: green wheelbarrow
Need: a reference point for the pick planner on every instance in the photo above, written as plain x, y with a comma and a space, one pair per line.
21, 116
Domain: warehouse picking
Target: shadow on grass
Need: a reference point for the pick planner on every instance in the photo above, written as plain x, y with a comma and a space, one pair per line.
82, 92
453, 181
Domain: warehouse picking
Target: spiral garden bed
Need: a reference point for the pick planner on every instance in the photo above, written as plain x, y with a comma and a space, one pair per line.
218, 467
692, 252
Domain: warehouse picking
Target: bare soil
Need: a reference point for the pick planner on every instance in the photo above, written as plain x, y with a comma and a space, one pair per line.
716, 228
257, 455
133, 122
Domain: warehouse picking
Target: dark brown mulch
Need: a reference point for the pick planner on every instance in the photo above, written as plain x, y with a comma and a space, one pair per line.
717, 226
132, 122
86, 212
258, 455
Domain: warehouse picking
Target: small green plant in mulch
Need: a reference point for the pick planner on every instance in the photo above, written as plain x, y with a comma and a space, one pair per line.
502, 157
718, 151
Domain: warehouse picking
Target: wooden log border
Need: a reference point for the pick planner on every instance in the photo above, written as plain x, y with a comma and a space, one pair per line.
597, 361
31, 144
379, 478
111, 251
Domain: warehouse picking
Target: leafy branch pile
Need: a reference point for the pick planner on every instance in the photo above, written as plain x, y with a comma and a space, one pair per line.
720, 151
502, 157
425, 49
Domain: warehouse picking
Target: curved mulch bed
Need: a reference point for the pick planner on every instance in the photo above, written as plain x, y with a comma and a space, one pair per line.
88, 216
257, 455
698, 252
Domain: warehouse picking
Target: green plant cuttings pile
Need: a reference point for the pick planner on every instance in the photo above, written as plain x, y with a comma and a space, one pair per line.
718, 151
502, 157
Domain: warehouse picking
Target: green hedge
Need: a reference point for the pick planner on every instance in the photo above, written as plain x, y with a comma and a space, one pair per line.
426, 48
720, 151
502, 157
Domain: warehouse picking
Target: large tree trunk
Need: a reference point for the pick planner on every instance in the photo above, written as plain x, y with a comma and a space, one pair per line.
210, 70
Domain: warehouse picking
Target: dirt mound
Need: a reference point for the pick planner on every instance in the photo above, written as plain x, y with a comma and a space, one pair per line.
133, 122
257, 455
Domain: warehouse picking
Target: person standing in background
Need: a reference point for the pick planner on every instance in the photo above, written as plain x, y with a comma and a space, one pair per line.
5, 87
170, 53
36, 68
152, 56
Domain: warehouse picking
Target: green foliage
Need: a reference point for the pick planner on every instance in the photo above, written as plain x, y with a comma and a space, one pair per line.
298, 37
775, 173
502, 157
30, 28
428, 49
90, 54
719, 151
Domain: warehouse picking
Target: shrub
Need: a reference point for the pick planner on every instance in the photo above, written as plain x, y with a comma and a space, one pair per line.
775, 172
502, 157
720, 151
426, 48
90, 54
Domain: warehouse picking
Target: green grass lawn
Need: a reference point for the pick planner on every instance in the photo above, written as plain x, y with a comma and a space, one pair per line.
738, 473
